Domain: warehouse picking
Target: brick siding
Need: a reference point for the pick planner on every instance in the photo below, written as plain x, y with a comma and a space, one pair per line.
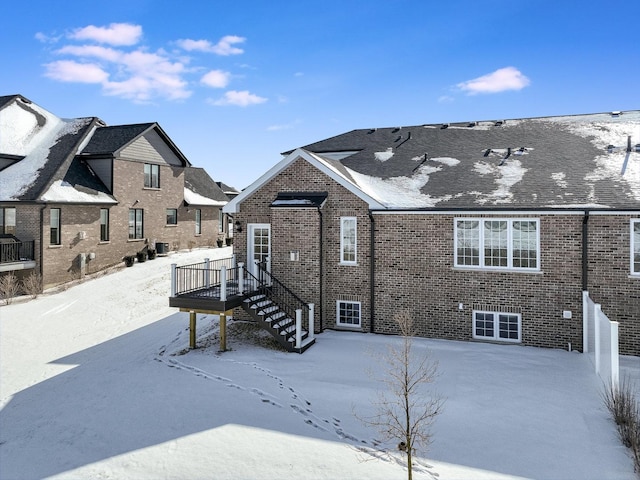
414, 267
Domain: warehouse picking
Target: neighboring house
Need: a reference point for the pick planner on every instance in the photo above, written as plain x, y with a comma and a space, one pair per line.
77, 196
482, 230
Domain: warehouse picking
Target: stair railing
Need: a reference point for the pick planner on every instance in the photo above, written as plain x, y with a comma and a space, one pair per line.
292, 305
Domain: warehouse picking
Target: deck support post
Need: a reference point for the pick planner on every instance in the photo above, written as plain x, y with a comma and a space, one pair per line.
192, 329
223, 331
311, 320
207, 273
298, 328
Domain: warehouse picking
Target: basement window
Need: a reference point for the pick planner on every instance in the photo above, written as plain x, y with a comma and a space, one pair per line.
348, 314
499, 326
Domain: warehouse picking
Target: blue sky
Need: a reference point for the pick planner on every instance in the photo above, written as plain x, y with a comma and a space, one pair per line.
234, 84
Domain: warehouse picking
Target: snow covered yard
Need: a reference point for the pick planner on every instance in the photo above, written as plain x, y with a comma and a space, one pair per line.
95, 383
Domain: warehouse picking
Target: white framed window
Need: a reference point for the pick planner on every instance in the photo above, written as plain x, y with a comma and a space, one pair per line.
500, 326
220, 221
348, 313
348, 240
497, 243
635, 247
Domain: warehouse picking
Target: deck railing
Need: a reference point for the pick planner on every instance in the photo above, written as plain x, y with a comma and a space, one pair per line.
204, 276
220, 278
15, 251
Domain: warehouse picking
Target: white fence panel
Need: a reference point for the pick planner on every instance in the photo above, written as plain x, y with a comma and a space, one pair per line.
600, 336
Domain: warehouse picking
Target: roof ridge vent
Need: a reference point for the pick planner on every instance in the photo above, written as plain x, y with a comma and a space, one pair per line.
616, 113
499, 123
444, 125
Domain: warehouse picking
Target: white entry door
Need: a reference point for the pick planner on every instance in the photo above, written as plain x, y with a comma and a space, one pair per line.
259, 245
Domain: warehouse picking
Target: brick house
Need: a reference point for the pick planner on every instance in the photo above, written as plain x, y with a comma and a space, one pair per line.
483, 231
77, 196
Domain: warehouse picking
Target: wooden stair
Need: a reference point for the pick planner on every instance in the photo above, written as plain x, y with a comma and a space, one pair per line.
276, 321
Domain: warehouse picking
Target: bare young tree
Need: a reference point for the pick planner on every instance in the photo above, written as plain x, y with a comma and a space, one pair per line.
405, 412
9, 287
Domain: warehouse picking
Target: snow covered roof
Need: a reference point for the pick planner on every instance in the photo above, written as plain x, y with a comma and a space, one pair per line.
43, 157
201, 190
44, 147
578, 161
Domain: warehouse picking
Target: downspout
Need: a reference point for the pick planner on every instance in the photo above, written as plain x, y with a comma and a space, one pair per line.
41, 249
321, 242
372, 271
585, 251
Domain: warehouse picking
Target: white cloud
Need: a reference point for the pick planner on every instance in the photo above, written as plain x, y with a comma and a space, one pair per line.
41, 37
286, 126
223, 47
240, 99
508, 78
102, 53
216, 79
110, 56
114, 34
70, 71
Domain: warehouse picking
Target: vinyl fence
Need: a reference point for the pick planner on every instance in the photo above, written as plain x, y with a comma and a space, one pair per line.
600, 339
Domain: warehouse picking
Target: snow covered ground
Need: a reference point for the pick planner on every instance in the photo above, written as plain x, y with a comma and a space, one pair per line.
96, 382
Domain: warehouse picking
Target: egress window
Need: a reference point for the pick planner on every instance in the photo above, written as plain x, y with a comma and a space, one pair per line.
348, 313
497, 243
497, 326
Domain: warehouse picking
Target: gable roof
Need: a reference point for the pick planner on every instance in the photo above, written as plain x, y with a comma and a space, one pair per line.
110, 140
579, 161
329, 167
44, 157
201, 190
45, 146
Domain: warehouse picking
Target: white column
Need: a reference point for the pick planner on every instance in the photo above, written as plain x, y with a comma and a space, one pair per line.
223, 284
240, 278
173, 279
298, 327
207, 273
311, 321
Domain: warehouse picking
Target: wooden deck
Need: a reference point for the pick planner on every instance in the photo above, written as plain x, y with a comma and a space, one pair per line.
208, 299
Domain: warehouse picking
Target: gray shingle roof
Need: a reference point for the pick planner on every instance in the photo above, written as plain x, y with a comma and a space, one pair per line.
198, 181
107, 140
548, 162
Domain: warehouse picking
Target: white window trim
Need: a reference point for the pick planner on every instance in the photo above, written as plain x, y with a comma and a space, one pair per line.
496, 327
355, 244
348, 325
481, 265
632, 224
